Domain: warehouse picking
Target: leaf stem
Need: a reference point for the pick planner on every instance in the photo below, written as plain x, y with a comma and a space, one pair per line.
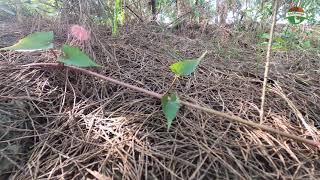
172, 83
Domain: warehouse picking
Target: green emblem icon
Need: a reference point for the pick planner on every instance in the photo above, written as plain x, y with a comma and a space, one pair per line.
296, 15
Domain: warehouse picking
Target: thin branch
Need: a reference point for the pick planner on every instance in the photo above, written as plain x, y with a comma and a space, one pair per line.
157, 95
172, 83
54, 53
278, 90
134, 13
185, 14
150, 93
266, 69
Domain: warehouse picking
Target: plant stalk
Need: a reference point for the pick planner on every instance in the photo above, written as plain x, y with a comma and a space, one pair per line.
266, 68
172, 84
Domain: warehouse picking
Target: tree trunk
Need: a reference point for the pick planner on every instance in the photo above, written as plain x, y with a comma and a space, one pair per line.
154, 10
18, 4
223, 12
216, 19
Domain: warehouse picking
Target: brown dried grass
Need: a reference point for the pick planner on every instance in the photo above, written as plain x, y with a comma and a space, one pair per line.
79, 124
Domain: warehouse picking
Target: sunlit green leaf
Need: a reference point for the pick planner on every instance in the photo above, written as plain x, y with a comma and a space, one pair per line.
264, 36
74, 56
276, 46
306, 44
118, 16
170, 107
279, 40
33, 42
186, 67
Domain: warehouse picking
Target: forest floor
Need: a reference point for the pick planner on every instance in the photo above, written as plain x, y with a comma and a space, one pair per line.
56, 123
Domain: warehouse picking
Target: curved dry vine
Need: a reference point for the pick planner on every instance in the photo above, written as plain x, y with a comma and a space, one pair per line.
159, 96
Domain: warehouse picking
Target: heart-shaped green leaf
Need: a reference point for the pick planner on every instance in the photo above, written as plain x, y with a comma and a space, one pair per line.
170, 107
74, 56
33, 42
186, 67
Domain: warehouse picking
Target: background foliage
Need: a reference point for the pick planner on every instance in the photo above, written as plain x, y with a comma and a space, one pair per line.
167, 11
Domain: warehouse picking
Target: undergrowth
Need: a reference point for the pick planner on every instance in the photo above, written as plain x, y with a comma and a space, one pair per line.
81, 124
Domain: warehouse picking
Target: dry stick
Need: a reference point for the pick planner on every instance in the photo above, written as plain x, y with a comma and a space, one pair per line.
278, 90
134, 13
159, 96
172, 84
54, 53
266, 69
